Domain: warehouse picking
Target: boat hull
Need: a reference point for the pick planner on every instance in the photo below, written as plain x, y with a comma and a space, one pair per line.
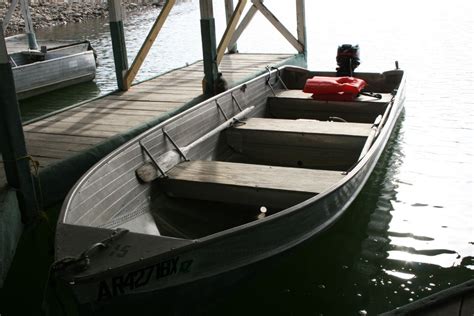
228, 250
63, 69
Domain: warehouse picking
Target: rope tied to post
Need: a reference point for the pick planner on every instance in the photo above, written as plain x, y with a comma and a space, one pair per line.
33, 163
34, 167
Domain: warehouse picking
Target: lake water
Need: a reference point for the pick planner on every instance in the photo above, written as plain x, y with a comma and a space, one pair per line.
410, 233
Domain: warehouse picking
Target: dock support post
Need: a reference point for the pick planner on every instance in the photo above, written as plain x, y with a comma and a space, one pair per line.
118, 42
209, 50
301, 25
12, 141
229, 11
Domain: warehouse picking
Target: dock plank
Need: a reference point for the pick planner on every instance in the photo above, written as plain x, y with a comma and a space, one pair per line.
39, 144
130, 105
122, 112
169, 89
88, 130
99, 118
68, 139
152, 96
38, 151
167, 84
76, 125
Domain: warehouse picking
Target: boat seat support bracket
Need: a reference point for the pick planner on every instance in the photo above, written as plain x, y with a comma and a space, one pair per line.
181, 153
278, 78
222, 111
153, 159
236, 102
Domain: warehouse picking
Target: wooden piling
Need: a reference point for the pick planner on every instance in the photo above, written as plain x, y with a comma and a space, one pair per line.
301, 25
229, 11
15, 157
209, 50
118, 42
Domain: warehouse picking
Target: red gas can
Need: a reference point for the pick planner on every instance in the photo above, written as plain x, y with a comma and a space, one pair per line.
334, 88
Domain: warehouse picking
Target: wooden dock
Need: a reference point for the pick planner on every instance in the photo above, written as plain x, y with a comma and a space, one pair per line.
70, 133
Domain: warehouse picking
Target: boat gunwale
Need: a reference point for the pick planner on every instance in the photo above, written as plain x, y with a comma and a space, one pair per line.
44, 62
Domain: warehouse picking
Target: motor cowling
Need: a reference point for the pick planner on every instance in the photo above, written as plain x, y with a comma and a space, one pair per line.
347, 60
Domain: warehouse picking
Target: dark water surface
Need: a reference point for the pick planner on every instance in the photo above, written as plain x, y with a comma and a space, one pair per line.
410, 233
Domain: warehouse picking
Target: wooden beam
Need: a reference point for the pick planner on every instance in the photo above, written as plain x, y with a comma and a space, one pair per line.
243, 25
230, 30
301, 23
278, 25
229, 11
29, 30
150, 39
9, 13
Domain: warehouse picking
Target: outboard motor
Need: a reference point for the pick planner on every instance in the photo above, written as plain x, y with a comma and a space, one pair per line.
347, 60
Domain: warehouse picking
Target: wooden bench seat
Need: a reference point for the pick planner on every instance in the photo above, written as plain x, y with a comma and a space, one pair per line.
299, 143
259, 185
294, 104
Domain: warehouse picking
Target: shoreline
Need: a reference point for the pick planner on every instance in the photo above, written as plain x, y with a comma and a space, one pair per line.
48, 14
